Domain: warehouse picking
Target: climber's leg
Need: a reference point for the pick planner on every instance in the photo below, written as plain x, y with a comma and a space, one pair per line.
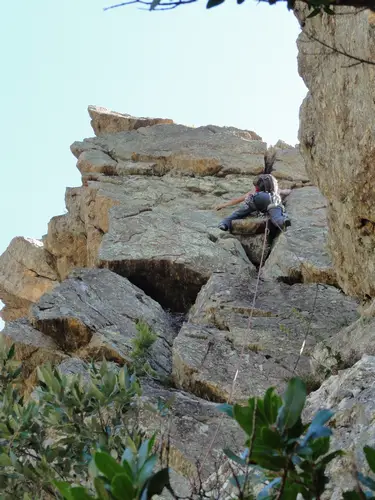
241, 213
278, 217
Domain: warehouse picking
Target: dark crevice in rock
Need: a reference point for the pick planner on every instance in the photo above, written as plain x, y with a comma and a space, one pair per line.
176, 319
173, 285
253, 253
290, 280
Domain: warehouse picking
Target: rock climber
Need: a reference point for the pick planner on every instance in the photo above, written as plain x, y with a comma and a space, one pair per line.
266, 200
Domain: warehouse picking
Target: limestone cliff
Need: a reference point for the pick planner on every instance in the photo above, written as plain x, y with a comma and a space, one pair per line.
140, 241
337, 135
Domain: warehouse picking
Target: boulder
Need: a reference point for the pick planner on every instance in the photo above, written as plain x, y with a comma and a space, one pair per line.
105, 121
95, 312
300, 254
26, 273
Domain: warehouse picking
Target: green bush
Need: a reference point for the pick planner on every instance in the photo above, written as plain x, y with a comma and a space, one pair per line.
142, 344
74, 439
53, 435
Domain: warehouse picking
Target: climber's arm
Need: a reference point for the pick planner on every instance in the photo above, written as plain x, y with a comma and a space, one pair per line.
233, 202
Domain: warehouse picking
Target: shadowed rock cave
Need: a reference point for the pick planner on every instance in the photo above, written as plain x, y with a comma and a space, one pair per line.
173, 285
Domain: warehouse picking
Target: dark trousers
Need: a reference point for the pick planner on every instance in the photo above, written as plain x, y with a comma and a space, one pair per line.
258, 203
243, 212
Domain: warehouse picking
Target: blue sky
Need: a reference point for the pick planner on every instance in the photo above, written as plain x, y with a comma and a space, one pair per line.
232, 65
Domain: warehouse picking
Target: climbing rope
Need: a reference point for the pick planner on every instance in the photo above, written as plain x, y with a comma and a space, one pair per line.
249, 326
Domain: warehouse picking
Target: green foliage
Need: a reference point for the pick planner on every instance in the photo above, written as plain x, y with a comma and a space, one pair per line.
142, 344
68, 440
288, 456
133, 477
52, 435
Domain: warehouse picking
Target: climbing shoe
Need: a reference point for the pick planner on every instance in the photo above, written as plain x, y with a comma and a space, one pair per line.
287, 223
223, 227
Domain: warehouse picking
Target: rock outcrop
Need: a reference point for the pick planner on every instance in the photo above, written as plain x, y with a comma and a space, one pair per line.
351, 396
301, 254
139, 245
220, 338
26, 273
337, 136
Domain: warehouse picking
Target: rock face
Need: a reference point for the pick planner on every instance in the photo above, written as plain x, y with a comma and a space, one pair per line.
139, 247
337, 136
26, 273
351, 396
104, 121
301, 255
95, 312
344, 348
219, 337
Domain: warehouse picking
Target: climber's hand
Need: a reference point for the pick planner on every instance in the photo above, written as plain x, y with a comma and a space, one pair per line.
218, 207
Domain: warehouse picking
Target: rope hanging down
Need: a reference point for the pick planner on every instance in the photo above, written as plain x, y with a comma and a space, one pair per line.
249, 326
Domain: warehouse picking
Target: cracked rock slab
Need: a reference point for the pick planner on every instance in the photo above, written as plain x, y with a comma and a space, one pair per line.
191, 423
301, 254
217, 338
201, 151
96, 311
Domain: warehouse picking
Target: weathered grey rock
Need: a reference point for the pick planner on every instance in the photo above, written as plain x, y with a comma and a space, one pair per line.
169, 255
189, 421
249, 135
105, 121
192, 424
289, 165
26, 272
344, 348
337, 136
300, 254
351, 395
31, 347
95, 311
217, 338
199, 151
179, 173
257, 247
95, 161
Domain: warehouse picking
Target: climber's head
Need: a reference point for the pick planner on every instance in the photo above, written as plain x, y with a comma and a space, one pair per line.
267, 182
